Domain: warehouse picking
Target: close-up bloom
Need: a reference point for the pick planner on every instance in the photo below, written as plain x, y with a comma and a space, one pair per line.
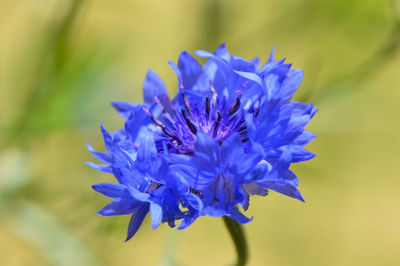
219, 143
232, 131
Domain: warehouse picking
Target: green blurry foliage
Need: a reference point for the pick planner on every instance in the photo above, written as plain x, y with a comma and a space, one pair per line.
60, 75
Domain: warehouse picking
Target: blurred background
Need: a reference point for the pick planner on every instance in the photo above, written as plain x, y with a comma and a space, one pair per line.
63, 61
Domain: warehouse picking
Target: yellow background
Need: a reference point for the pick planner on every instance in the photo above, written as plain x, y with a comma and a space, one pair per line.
62, 63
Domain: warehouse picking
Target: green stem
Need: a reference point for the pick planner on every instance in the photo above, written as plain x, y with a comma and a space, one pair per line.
239, 239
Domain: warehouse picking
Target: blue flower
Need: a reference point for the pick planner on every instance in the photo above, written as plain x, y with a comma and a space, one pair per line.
231, 132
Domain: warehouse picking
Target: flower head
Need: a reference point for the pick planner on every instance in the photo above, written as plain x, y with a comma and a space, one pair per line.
232, 131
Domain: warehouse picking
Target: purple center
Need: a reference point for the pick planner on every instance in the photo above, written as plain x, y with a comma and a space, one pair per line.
180, 123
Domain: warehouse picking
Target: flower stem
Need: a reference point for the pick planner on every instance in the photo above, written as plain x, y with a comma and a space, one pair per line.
239, 239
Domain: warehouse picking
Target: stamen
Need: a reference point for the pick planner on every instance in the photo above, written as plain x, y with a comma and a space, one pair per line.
170, 134
235, 105
242, 128
186, 152
244, 85
217, 124
153, 186
159, 103
169, 117
214, 93
192, 127
155, 120
207, 106
257, 109
168, 105
147, 111
185, 100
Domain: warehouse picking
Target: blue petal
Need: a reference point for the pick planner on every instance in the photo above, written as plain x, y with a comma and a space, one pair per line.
284, 161
124, 108
205, 143
256, 61
190, 70
225, 191
201, 53
138, 195
207, 154
178, 73
110, 190
153, 86
101, 156
193, 201
223, 73
108, 139
271, 65
272, 87
136, 220
241, 64
296, 125
284, 187
250, 160
232, 150
271, 54
222, 52
300, 154
236, 215
304, 138
255, 189
147, 149
208, 195
211, 72
176, 180
260, 170
136, 122
291, 83
191, 175
156, 215
250, 76
100, 167
117, 207
213, 212
186, 222
290, 176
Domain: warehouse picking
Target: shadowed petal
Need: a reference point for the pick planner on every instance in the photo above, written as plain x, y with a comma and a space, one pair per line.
136, 220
